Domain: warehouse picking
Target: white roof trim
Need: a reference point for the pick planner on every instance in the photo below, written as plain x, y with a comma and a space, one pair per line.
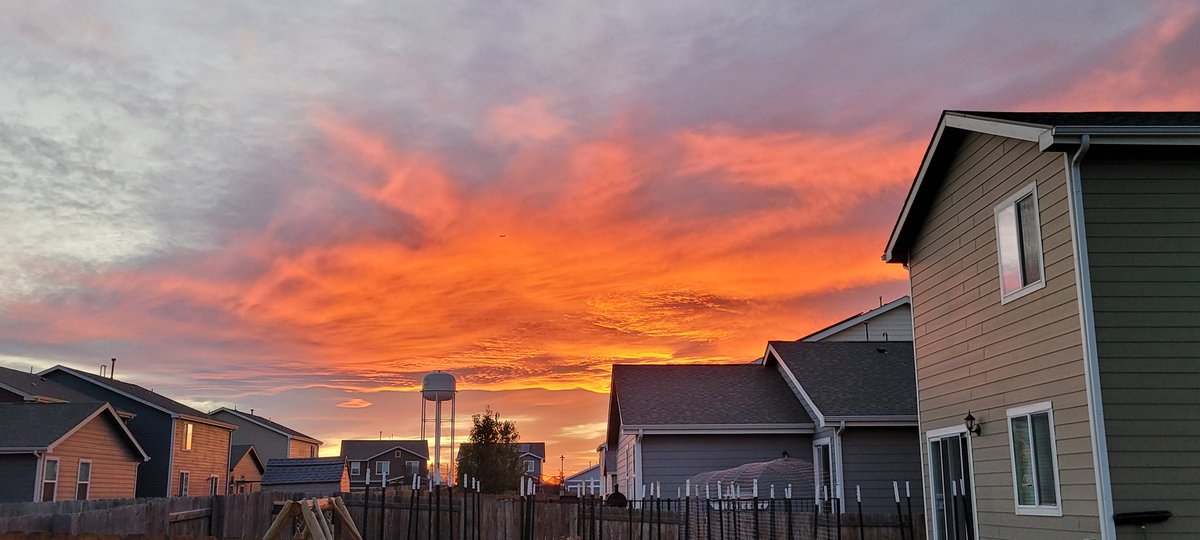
100, 410
991, 126
239, 414
850, 323
717, 429
811, 406
397, 447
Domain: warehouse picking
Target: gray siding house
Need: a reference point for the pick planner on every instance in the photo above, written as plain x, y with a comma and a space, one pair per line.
533, 456
889, 322
187, 448
1054, 261
270, 439
863, 399
399, 460
667, 423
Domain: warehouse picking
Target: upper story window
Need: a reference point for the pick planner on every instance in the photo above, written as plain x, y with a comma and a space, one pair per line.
355, 468
530, 465
312, 451
1019, 242
1035, 463
187, 436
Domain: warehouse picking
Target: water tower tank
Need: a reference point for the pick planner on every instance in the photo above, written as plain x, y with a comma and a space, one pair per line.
438, 386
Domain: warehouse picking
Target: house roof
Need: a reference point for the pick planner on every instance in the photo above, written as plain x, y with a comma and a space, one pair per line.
703, 394
143, 395
852, 380
593, 471
29, 427
853, 320
1051, 131
239, 451
536, 449
367, 449
267, 423
34, 387
304, 470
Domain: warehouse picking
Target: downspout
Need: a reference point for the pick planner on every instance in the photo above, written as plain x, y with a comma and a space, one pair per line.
841, 477
1091, 360
637, 465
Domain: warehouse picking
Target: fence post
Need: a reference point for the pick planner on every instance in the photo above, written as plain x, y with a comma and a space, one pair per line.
911, 527
861, 526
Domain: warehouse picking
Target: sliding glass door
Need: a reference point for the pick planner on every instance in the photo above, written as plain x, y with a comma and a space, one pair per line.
950, 483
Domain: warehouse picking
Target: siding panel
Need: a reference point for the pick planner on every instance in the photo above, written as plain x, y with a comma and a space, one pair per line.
974, 353
1142, 216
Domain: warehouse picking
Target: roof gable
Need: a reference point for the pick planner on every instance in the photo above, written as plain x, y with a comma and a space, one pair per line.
855, 320
29, 427
704, 395
237, 452
368, 449
266, 423
852, 380
1052, 131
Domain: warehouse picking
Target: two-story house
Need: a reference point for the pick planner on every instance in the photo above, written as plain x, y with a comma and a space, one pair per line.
271, 439
533, 457
399, 461
189, 450
1054, 261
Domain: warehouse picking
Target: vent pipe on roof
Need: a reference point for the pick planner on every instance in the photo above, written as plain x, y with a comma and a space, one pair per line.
103, 370
112, 372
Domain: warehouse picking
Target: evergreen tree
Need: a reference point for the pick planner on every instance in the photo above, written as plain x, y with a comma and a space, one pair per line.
491, 453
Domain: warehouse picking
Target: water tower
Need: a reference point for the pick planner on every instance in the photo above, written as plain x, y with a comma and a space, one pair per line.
438, 387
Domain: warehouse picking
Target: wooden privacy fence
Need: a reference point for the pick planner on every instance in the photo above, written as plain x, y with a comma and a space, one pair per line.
244, 515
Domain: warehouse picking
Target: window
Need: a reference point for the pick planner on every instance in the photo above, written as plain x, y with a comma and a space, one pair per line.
355, 468
1035, 467
83, 479
50, 480
1019, 243
412, 468
399, 453
383, 468
312, 451
952, 500
213, 485
827, 477
184, 479
530, 465
187, 436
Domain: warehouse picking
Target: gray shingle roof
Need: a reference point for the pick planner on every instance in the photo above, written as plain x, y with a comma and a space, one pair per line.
304, 470
704, 394
266, 422
238, 451
30, 385
139, 393
536, 448
1094, 118
364, 449
854, 378
38, 425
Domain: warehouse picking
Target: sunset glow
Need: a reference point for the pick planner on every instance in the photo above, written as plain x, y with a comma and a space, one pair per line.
307, 230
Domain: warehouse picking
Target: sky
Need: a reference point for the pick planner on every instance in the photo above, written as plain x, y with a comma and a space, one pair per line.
302, 209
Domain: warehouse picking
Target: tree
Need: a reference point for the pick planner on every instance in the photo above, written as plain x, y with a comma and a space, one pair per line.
491, 455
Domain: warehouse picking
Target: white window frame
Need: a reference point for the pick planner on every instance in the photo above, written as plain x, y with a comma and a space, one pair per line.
214, 485
187, 436
57, 476
355, 468
185, 480
1009, 296
399, 453
530, 466
88, 481
412, 468
380, 466
837, 491
1028, 411
939, 434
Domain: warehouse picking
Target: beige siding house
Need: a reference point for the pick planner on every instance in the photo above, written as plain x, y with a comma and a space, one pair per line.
1054, 262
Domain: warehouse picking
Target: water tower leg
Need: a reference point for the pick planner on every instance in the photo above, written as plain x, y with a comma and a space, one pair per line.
437, 442
423, 418
451, 476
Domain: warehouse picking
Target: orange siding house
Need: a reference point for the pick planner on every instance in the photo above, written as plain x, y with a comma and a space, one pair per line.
66, 451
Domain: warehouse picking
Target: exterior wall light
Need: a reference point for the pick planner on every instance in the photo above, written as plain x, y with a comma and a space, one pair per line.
970, 423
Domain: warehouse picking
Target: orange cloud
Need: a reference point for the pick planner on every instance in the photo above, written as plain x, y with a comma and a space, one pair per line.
356, 403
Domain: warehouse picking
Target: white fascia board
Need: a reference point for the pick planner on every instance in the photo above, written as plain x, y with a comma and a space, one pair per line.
800, 388
716, 429
874, 421
903, 300
992, 126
